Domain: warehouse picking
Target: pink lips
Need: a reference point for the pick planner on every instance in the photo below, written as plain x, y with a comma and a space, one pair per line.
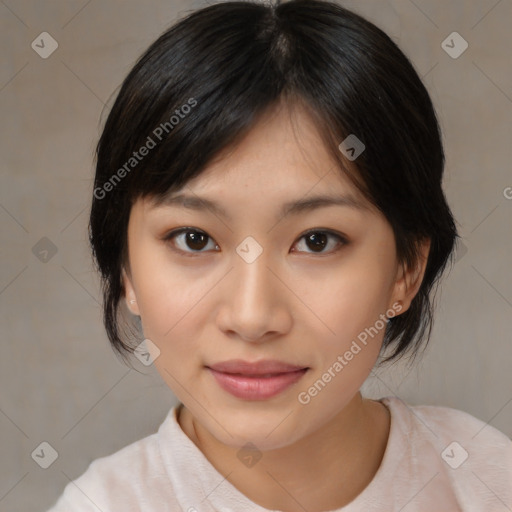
255, 381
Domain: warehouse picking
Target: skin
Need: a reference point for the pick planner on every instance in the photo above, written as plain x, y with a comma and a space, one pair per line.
291, 304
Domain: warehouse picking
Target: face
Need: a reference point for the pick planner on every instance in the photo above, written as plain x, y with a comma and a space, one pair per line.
310, 288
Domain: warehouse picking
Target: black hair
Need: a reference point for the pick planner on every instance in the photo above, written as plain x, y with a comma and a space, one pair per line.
205, 81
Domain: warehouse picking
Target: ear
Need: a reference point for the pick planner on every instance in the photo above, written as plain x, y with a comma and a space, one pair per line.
129, 293
409, 280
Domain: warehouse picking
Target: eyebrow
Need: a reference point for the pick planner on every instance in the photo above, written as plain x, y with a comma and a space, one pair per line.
197, 203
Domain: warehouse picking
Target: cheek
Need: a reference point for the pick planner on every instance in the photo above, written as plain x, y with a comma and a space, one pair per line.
354, 300
352, 309
169, 298
171, 312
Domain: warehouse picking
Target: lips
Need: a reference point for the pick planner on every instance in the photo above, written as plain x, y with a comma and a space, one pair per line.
260, 380
257, 369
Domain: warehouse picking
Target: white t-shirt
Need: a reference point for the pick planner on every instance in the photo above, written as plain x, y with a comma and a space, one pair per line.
437, 459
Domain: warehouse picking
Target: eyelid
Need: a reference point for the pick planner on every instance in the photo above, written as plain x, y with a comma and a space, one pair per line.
178, 231
327, 231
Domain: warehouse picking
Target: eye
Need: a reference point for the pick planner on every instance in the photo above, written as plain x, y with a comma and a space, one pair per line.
192, 241
190, 238
317, 240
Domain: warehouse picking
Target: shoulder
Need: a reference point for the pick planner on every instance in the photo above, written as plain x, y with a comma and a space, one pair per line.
119, 481
448, 423
470, 454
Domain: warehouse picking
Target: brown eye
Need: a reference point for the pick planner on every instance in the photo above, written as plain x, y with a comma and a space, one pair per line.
317, 241
189, 240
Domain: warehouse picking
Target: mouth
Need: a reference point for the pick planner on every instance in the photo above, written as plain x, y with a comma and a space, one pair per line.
256, 381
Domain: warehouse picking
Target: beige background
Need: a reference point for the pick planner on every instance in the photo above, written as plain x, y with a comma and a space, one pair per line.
60, 382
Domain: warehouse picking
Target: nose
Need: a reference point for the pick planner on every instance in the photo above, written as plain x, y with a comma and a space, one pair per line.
254, 304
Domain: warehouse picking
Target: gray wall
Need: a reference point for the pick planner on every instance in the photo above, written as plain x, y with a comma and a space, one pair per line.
60, 382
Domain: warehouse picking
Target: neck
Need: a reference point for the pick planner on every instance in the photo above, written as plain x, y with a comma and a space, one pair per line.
323, 471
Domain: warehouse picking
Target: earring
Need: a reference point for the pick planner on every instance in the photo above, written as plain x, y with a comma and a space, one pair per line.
133, 301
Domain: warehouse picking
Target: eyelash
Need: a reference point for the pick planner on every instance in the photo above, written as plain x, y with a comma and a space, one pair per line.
169, 236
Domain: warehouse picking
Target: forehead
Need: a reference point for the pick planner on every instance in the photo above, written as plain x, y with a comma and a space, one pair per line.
285, 136
282, 156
